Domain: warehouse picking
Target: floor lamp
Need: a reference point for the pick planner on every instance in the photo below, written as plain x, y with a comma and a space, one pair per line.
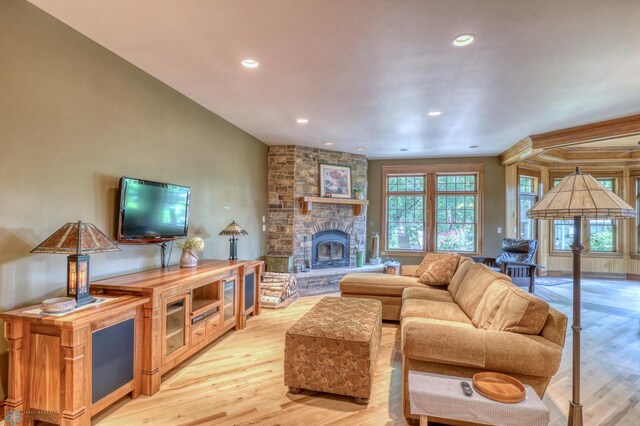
579, 196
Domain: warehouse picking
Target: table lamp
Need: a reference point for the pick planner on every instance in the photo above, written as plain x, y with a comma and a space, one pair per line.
78, 240
234, 230
579, 196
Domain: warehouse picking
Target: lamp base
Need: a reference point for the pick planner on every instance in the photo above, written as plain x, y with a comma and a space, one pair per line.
233, 248
85, 300
575, 414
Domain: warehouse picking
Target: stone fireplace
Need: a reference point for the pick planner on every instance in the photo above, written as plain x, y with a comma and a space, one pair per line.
294, 173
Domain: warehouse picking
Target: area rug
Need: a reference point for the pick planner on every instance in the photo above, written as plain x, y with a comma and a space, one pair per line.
551, 281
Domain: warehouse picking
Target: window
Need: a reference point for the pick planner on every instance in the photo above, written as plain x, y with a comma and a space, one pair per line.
405, 213
527, 197
601, 233
456, 213
563, 233
637, 215
432, 208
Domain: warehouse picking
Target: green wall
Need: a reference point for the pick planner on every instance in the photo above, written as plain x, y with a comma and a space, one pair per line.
74, 117
494, 199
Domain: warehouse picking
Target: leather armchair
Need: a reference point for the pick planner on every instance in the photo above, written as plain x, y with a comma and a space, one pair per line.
516, 260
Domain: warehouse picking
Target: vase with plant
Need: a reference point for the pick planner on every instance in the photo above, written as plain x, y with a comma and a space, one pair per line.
189, 259
358, 192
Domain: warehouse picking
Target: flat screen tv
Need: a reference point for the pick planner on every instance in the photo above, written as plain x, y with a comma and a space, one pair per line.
152, 212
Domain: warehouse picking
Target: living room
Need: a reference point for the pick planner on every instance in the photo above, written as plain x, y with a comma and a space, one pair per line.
447, 121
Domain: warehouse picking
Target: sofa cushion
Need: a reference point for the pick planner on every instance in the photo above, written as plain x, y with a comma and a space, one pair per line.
378, 284
463, 267
443, 342
439, 268
473, 286
424, 293
414, 308
505, 307
430, 258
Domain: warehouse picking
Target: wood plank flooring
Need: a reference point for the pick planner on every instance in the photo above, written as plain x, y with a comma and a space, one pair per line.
238, 380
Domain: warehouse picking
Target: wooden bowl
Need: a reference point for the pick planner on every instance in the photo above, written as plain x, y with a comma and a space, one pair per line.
499, 387
58, 305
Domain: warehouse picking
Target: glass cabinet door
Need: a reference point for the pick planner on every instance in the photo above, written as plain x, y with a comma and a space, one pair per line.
229, 299
175, 336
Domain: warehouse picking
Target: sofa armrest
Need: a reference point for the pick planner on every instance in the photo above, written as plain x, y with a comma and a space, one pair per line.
446, 342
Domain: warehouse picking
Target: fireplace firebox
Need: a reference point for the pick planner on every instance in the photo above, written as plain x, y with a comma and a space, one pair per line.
330, 249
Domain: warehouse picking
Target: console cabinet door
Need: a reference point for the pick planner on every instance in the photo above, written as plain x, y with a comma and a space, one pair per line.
175, 317
230, 300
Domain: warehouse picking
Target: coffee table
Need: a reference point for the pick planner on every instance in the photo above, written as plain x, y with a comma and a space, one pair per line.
439, 398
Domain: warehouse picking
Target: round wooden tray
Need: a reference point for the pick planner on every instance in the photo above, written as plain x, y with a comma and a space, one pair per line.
499, 387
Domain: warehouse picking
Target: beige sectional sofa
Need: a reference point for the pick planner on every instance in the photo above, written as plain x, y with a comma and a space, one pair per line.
479, 322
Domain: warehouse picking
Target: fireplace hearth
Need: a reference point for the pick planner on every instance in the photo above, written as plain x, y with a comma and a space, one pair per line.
329, 249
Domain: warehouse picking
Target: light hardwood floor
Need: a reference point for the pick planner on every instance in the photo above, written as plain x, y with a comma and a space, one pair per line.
238, 380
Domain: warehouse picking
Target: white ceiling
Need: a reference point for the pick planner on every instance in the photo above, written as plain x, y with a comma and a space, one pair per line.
365, 72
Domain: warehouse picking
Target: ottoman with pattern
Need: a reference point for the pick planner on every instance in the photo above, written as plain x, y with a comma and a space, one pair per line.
334, 348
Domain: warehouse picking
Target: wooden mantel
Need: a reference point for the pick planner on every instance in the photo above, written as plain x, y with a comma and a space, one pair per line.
307, 203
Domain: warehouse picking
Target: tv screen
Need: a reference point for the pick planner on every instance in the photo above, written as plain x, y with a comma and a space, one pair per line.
152, 211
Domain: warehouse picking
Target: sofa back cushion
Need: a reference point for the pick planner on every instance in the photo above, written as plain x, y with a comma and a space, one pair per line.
439, 268
463, 267
473, 286
505, 307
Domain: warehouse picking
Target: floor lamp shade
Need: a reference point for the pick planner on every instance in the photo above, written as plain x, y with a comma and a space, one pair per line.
579, 196
78, 240
233, 230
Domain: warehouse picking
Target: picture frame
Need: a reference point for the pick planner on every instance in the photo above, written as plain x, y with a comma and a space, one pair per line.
335, 180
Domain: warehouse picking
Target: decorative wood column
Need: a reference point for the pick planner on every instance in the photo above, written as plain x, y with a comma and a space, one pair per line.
151, 361
76, 373
14, 333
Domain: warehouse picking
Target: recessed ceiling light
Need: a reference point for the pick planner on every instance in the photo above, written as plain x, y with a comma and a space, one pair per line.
328, 143
302, 120
403, 149
463, 40
473, 146
249, 63
361, 148
434, 113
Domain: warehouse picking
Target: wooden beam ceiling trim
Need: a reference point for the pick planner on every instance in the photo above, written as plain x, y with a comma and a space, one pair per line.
603, 130
518, 152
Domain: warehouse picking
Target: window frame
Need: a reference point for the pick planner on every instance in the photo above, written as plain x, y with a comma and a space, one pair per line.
586, 224
536, 175
430, 171
389, 194
634, 236
473, 193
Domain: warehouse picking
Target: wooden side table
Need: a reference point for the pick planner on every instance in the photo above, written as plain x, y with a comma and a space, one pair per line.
65, 368
439, 398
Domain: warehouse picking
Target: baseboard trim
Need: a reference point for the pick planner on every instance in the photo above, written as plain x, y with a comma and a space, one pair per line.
585, 274
633, 277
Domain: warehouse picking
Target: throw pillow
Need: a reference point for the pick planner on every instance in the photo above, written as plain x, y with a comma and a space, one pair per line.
439, 268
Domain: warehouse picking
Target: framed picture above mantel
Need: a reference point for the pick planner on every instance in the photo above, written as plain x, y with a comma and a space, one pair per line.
335, 181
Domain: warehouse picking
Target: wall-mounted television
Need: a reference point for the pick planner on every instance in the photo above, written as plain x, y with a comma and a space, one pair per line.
152, 212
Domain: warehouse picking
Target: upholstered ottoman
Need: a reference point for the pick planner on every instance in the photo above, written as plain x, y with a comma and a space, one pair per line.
334, 348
